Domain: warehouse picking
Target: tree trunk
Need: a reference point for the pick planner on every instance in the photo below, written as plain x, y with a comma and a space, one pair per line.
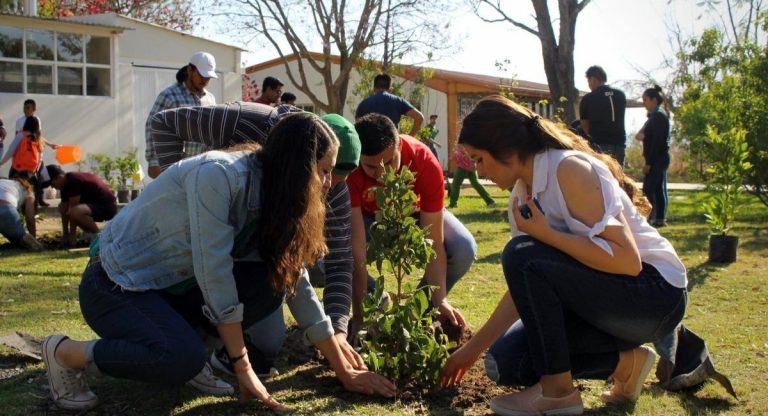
558, 55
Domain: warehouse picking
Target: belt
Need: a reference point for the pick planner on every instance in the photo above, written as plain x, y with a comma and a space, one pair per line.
93, 260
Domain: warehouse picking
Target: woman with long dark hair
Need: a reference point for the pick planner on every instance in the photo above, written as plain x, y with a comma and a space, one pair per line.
656, 154
236, 229
589, 281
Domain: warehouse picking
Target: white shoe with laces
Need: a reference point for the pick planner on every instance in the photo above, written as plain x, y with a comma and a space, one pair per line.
68, 388
208, 383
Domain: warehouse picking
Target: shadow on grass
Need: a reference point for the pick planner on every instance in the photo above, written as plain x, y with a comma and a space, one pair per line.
698, 275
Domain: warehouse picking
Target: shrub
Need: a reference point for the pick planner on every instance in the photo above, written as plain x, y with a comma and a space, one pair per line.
729, 153
399, 340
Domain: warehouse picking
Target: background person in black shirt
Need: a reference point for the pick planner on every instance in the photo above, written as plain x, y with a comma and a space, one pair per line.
602, 115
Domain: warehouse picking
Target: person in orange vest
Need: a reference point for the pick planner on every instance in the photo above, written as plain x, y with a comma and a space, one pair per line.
26, 154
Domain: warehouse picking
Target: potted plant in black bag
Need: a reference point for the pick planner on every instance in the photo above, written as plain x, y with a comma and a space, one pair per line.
728, 153
126, 165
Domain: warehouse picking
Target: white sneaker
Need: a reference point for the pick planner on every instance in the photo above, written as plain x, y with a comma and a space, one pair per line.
208, 383
68, 388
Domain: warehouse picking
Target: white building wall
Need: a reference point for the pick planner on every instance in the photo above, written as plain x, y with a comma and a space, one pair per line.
144, 62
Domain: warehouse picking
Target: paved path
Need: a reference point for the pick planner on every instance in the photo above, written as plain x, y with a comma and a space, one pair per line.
670, 186
52, 211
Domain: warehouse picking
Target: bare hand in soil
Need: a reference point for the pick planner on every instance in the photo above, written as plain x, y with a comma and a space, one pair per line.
368, 383
451, 314
250, 387
456, 367
353, 358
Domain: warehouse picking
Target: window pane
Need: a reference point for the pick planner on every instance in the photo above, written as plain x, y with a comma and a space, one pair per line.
70, 47
40, 45
70, 81
11, 77
97, 50
98, 81
40, 79
10, 42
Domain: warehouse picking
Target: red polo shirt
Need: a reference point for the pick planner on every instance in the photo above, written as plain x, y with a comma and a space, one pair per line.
428, 185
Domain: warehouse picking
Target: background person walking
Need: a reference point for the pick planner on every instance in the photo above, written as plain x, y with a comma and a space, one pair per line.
465, 168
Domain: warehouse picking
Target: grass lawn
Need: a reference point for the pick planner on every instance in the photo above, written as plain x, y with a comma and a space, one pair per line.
728, 306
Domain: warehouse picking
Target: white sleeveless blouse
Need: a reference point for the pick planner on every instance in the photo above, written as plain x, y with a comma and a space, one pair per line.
654, 249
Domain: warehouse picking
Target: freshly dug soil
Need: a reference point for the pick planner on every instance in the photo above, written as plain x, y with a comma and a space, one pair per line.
312, 372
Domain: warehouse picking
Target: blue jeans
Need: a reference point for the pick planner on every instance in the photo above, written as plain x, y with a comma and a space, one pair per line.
10, 224
618, 151
655, 188
150, 336
460, 250
574, 318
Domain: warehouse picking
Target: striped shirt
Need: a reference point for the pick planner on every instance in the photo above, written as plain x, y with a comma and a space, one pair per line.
177, 95
183, 132
337, 295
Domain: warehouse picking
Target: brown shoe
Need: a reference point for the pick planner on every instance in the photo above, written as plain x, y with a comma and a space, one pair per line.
629, 389
531, 402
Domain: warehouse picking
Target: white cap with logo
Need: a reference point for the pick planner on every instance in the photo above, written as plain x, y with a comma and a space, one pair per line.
205, 64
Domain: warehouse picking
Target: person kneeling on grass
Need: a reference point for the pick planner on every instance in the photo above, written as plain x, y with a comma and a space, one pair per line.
85, 200
455, 248
182, 234
17, 195
178, 132
589, 279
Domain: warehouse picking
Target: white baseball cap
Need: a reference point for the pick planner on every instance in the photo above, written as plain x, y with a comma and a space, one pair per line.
205, 64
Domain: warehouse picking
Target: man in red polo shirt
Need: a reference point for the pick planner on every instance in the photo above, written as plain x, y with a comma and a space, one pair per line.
454, 246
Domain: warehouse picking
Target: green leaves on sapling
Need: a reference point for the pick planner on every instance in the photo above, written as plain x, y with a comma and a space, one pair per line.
399, 340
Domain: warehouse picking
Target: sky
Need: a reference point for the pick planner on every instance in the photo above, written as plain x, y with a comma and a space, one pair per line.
619, 35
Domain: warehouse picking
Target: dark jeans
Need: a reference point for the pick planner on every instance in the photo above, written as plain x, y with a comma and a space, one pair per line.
574, 318
615, 150
150, 336
655, 188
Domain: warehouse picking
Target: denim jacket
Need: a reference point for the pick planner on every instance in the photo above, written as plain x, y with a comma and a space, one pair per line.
184, 225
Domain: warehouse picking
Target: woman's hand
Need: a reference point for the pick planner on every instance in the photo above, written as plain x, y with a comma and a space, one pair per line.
457, 365
451, 314
646, 169
366, 382
536, 225
349, 353
250, 387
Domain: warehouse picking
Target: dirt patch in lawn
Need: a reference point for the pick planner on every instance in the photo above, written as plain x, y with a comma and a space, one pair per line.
309, 370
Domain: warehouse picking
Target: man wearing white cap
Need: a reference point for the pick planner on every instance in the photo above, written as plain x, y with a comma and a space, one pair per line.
189, 90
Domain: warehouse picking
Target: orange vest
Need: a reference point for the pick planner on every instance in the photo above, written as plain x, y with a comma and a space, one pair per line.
27, 156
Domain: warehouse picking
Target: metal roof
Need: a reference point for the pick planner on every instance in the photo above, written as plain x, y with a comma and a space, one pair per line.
67, 20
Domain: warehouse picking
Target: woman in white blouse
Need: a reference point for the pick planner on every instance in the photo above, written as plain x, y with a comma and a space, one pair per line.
589, 280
